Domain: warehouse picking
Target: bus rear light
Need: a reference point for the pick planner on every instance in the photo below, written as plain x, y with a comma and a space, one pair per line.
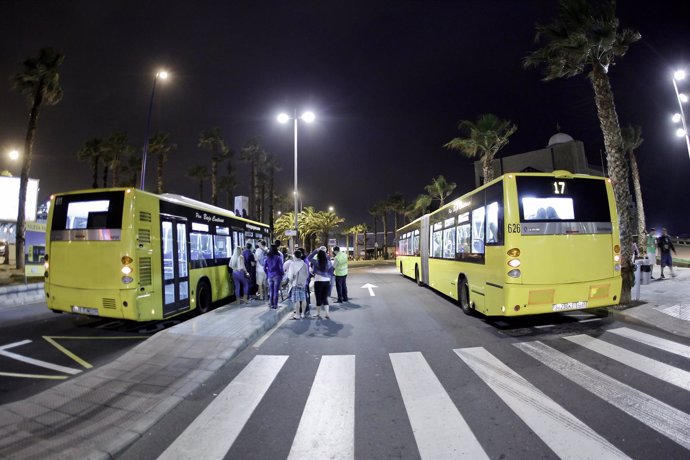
617, 249
126, 270
127, 279
617, 258
127, 260
515, 263
514, 273
514, 252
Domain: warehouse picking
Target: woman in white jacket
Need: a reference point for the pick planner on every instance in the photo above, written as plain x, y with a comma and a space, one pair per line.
297, 275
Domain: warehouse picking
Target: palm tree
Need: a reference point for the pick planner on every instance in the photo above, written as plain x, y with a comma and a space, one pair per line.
272, 166
228, 184
39, 81
396, 203
418, 207
91, 152
212, 140
251, 153
632, 139
360, 228
282, 224
483, 139
586, 38
159, 146
440, 189
199, 173
117, 148
375, 212
325, 222
130, 170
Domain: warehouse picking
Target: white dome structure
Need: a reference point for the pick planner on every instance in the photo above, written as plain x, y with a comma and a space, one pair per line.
560, 138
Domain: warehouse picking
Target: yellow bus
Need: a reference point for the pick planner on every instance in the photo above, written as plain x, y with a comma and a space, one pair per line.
129, 254
522, 244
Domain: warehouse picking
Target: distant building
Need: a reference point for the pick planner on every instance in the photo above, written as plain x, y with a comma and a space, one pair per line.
562, 152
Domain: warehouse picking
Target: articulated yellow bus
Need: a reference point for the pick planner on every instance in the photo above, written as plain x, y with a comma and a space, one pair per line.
129, 254
523, 244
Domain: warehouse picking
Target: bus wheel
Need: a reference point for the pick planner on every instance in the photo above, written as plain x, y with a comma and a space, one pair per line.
401, 272
416, 276
203, 298
464, 296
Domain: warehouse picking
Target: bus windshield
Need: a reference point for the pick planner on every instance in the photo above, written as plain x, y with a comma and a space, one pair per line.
88, 211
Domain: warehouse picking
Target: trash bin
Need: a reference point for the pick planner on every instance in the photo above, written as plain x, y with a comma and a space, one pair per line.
645, 271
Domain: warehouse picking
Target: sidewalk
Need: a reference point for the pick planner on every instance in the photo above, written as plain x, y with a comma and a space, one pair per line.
664, 303
97, 415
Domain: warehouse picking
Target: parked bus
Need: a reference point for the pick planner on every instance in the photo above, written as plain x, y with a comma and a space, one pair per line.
522, 244
129, 254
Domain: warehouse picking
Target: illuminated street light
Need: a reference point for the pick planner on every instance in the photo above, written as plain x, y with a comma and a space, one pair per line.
331, 209
14, 155
283, 118
680, 75
675, 117
163, 75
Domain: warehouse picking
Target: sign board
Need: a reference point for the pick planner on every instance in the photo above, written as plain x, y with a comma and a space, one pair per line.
9, 191
290, 232
332, 242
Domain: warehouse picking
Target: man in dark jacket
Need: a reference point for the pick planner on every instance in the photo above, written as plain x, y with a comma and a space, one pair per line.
250, 265
665, 246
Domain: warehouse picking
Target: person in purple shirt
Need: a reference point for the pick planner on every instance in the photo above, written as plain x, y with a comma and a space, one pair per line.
273, 266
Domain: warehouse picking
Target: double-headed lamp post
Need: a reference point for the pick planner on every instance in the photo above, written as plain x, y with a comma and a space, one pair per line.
680, 117
163, 75
284, 118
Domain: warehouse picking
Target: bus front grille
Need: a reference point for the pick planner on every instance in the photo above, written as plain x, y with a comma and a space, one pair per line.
144, 235
109, 303
145, 271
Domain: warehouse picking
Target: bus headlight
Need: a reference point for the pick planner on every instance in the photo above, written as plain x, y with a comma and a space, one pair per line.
127, 279
617, 258
126, 270
515, 263
514, 273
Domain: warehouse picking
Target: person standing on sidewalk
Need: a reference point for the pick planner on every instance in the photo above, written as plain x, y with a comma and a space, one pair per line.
297, 274
340, 270
250, 265
274, 271
665, 246
321, 267
651, 248
260, 257
240, 277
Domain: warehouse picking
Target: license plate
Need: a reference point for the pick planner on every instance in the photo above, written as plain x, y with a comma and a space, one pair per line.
85, 310
569, 306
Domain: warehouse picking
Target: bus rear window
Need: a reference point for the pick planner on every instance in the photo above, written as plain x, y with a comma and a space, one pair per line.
88, 211
548, 199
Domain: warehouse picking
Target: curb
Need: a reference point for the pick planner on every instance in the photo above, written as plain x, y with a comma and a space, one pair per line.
640, 322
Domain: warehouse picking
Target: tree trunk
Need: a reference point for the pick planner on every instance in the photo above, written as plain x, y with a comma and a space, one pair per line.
376, 238
159, 174
94, 183
384, 218
641, 221
214, 181
271, 195
105, 174
262, 194
252, 190
20, 237
487, 169
356, 245
114, 170
618, 171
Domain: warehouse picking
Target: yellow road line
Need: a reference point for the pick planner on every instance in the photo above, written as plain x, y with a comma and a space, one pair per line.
67, 352
33, 376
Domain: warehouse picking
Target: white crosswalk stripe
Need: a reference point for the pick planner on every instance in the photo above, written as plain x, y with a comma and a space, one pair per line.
438, 427
662, 371
559, 429
214, 431
656, 414
653, 341
327, 426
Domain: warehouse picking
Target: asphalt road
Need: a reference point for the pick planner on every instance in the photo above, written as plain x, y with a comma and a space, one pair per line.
405, 374
39, 348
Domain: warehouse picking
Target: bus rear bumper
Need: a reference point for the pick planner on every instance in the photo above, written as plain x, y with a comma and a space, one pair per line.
104, 303
538, 299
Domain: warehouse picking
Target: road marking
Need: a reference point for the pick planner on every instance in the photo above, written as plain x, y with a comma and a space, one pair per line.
558, 428
543, 326
33, 376
68, 353
669, 374
35, 362
588, 320
371, 289
268, 333
438, 427
656, 414
653, 341
213, 432
327, 426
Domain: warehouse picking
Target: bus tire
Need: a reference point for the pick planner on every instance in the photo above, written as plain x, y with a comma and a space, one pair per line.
416, 275
464, 296
203, 298
401, 270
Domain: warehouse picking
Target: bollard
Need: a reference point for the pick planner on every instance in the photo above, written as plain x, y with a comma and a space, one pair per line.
636, 287
645, 271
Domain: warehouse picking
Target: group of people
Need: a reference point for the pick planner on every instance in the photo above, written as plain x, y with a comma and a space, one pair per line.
262, 272
664, 244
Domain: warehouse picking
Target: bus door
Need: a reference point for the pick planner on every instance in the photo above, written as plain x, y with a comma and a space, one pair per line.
175, 257
424, 249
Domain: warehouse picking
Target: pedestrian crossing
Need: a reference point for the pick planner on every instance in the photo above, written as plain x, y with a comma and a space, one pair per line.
442, 425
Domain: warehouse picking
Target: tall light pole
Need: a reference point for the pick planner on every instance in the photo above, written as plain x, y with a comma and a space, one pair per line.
680, 75
284, 118
163, 75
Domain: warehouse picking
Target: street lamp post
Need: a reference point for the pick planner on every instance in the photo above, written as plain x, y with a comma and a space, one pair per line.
163, 75
284, 118
680, 75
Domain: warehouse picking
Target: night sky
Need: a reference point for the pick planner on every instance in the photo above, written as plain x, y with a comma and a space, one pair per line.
388, 82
